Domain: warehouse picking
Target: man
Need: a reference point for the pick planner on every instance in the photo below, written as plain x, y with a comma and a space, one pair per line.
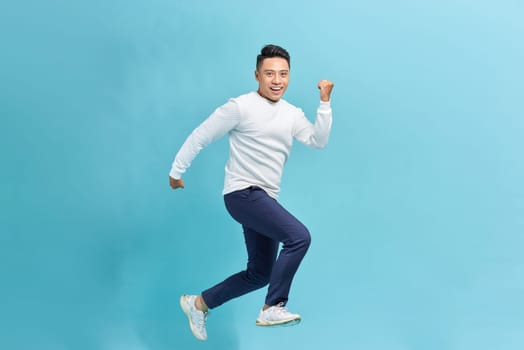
261, 127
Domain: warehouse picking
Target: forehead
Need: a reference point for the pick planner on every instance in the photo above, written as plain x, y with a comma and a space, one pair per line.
274, 63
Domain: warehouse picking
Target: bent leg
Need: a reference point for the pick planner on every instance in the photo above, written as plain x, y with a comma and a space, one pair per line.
253, 208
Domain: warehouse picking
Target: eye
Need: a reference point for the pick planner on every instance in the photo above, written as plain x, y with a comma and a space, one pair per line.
269, 74
284, 74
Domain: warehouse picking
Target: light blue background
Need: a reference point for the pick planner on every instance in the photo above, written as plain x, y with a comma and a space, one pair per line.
415, 207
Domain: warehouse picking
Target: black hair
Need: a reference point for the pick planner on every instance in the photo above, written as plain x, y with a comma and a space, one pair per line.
270, 51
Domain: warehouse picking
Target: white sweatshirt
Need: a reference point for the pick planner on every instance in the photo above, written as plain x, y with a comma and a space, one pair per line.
261, 134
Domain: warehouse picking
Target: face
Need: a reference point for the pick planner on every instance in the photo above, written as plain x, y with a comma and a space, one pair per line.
273, 78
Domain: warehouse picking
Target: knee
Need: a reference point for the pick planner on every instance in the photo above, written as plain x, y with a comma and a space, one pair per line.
302, 240
306, 239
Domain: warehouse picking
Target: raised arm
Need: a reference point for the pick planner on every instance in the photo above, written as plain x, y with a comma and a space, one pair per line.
317, 135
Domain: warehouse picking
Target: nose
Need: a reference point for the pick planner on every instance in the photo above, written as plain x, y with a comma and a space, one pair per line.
276, 79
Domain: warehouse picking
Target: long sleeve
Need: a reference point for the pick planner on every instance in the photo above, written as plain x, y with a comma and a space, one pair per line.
315, 135
220, 122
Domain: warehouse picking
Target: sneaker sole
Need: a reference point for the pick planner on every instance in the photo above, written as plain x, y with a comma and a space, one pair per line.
185, 309
278, 324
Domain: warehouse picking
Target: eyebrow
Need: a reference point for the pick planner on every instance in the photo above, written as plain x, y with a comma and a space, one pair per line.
272, 70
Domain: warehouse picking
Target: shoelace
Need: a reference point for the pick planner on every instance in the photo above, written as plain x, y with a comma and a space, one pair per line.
280, 308
199, 317
201, 321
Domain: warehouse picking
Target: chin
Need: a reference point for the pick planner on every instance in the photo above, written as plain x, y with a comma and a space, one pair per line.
270, 97
275, 98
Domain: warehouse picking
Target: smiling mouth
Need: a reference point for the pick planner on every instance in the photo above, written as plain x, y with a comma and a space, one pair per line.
276, 89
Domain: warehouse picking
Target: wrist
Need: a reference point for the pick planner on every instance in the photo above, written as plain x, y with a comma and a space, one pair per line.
324, 97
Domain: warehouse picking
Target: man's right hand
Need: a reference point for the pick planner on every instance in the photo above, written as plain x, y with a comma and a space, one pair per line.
174, 183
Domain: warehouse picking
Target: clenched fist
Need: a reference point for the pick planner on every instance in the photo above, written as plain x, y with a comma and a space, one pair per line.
325, 87
176, 183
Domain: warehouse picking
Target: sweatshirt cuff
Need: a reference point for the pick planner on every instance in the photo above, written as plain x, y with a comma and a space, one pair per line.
175, 174
324, 105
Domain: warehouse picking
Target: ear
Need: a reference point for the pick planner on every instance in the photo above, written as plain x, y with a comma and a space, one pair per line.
257, 75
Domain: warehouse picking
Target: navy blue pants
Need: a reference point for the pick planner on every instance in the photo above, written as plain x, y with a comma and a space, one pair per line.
266, 224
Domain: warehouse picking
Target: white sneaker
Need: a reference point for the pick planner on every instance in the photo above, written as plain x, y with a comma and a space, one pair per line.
197, 318
277, 315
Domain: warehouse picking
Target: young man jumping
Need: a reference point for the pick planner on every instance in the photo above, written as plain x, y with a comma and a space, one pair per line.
261, 127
